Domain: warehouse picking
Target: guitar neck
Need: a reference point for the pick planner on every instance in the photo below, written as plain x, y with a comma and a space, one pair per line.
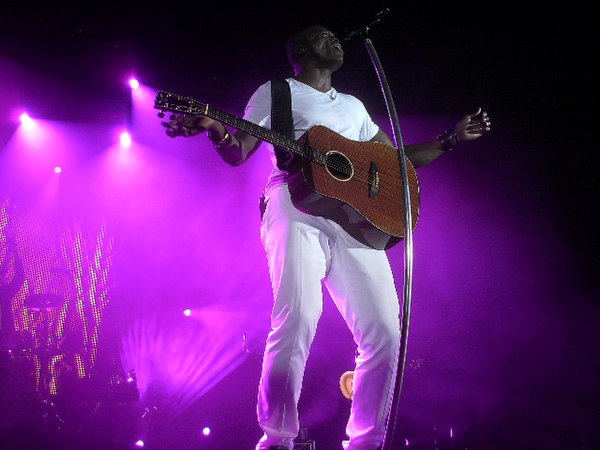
167, 101
262, 133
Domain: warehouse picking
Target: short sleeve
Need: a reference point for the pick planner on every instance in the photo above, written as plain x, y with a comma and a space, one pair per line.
258, 108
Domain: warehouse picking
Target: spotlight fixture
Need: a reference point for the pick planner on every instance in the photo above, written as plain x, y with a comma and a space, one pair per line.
26, 121
125, 139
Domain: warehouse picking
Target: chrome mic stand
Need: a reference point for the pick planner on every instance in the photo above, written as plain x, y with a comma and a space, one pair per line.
408, 238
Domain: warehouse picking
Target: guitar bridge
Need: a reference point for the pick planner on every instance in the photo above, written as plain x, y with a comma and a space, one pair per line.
373, 180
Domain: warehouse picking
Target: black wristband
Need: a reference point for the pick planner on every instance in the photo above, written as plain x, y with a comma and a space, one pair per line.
448, 139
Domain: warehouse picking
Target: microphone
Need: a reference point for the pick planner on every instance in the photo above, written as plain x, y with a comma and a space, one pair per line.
365, 28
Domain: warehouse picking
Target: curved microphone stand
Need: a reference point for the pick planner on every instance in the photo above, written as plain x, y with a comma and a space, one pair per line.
408, 248
408, 238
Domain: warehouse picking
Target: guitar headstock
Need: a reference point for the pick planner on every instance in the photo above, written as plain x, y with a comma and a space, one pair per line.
167, 101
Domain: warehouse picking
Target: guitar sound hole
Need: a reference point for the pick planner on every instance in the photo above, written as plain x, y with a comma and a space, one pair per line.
338, 166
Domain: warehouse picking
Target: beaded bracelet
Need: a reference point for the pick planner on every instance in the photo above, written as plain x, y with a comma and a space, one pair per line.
448, 139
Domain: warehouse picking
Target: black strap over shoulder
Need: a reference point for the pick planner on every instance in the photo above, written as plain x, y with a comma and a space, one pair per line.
281, 119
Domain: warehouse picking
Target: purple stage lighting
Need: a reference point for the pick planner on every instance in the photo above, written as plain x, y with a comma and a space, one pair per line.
206, 431
125, 139
26, 121
133, 83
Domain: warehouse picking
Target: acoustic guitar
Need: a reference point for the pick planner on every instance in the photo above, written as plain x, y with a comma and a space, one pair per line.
356, 184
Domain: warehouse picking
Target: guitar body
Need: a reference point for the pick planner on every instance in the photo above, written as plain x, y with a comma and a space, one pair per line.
359, 187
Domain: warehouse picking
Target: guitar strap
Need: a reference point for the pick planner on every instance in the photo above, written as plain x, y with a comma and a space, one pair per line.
282, 122
281, 119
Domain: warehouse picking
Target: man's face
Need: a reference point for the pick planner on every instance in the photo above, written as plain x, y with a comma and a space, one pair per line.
323, 46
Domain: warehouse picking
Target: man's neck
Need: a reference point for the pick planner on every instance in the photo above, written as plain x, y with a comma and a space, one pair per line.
317, 79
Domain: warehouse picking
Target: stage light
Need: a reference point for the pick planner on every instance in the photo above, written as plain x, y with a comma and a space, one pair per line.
57, 169
187, 312
26, 121
139, 443
206, 431
125, 139
133, 83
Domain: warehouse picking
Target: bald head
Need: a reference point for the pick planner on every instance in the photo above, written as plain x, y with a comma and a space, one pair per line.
297, 44
314, 48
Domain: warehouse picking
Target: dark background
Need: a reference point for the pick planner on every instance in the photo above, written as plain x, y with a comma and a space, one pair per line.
530, 67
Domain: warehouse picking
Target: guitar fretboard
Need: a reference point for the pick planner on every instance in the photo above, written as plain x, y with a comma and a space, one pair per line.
176, 103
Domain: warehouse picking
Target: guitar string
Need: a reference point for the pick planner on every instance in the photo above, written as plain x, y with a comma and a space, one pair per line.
298, 148
279, 140
301, 150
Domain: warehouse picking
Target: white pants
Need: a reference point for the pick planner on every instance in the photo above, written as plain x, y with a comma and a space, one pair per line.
303, 251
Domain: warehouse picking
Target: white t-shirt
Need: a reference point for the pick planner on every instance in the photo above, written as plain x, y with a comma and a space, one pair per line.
342, 113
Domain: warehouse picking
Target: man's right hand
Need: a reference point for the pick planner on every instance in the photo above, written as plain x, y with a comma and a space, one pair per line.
187, 125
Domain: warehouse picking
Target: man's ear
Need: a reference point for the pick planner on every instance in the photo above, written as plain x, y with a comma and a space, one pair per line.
299, 49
